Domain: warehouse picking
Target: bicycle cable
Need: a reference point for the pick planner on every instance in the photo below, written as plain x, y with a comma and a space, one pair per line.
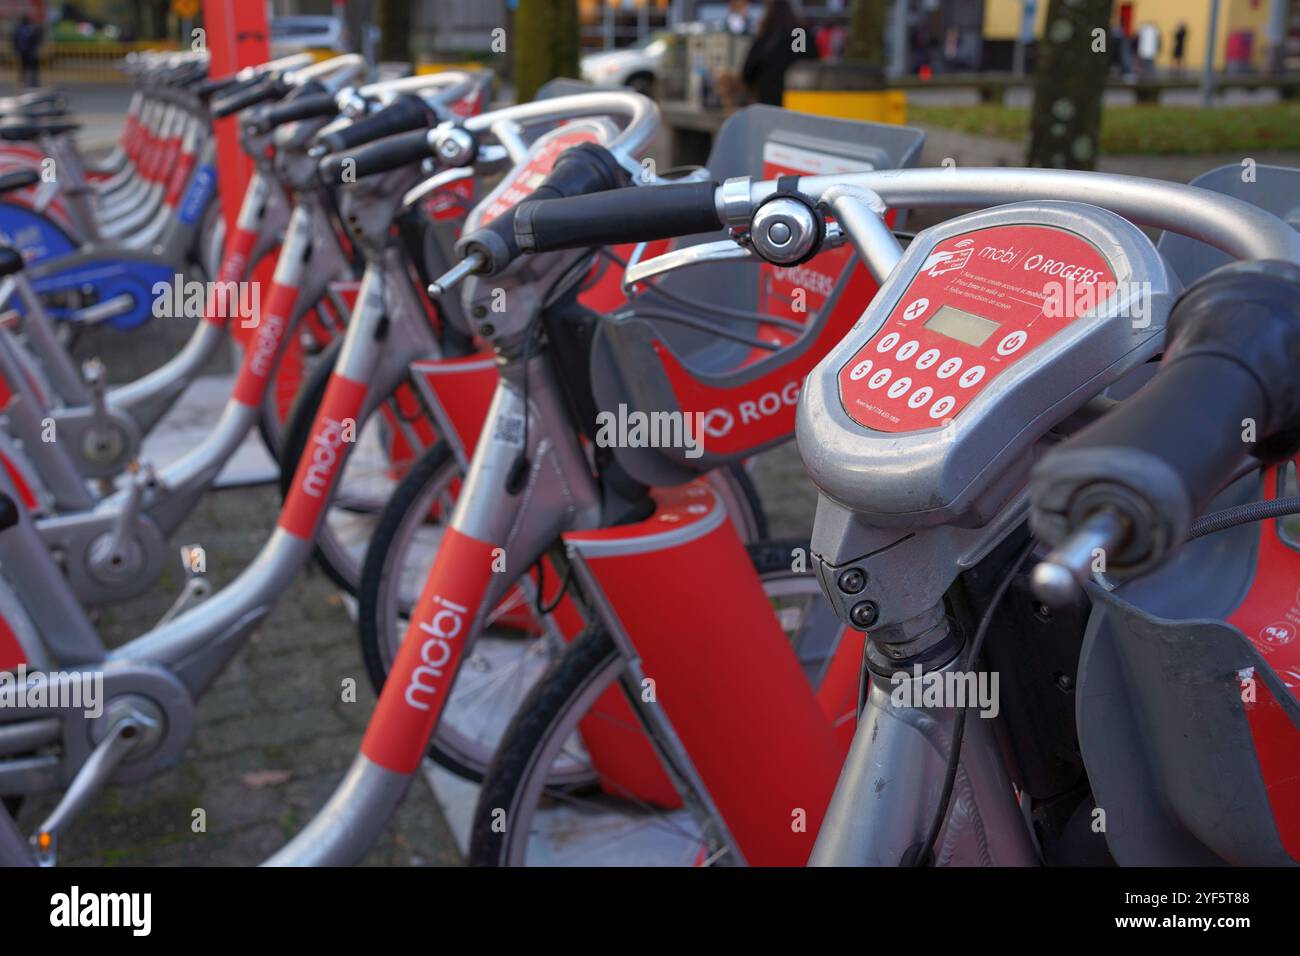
921, 854
1243, 514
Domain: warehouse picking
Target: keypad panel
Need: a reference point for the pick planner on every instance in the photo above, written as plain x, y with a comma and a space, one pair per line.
980, 302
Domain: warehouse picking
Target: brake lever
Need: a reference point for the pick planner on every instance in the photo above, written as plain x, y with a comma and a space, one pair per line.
442, 179
642, 272
737, 249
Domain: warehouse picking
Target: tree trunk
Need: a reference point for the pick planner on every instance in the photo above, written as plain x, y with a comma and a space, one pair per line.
545, 42
865, 39
1070, 82
395, 31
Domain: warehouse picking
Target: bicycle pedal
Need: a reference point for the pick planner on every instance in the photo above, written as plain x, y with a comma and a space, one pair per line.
197, 590
129, 731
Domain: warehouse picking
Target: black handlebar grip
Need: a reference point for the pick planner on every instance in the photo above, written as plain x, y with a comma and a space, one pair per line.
578, 171
269, 89
407, 112
1227, 389
213, 85
308, 102
392, 153
622, 215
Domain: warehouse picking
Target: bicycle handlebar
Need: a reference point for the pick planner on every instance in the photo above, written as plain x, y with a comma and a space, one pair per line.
307, 102
264, 91
392, 152
407, 112
578, 171
544, 224
1132, 482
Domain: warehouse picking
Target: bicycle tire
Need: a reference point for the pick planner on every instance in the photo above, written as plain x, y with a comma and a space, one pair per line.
574, 678
387, 550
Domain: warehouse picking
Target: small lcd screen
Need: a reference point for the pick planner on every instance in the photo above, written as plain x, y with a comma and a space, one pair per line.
962, 326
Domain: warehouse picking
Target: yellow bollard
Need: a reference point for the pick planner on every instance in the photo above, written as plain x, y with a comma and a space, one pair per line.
853, 91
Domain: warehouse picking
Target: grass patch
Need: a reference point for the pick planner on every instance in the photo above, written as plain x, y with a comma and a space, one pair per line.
1156, 130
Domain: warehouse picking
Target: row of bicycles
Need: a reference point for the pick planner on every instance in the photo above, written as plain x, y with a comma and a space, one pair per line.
516, 377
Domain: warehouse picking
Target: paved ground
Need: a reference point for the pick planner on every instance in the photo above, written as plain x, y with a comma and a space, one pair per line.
273, 735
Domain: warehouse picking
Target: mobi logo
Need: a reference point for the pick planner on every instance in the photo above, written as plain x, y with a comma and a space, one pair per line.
439, 632
720, 421
266, 345
323, 453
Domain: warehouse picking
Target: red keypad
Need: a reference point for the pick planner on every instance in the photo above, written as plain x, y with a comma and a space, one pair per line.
980, 302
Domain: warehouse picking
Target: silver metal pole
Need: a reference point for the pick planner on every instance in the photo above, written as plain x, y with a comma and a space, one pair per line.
898, 45
1207, 74
1277, 17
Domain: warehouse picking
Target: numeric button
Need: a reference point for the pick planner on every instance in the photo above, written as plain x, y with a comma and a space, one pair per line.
861, 370
907, 350
950, 367
928, 358
888, 342
920, 396
879, 380
900, 387
942, 407
971, 377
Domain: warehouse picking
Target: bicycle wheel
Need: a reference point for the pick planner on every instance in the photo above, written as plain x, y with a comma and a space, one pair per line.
387, 444
593, 820
502, 664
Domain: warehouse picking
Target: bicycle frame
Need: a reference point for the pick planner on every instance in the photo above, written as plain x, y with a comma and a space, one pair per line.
178, 660
861, 827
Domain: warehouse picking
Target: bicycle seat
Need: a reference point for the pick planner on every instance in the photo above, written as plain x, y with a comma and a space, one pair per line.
736, 350
11, 261
18, 179
15, 131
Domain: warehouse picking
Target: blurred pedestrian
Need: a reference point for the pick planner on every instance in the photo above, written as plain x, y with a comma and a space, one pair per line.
738, 17
1120, 51
1148, 47
1180, 48
782, 38
27, 44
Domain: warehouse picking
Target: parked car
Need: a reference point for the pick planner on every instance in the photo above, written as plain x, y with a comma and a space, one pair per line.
636, 66
294, 34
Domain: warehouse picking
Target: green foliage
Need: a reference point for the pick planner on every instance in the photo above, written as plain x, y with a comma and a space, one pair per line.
1142, 129
865, 40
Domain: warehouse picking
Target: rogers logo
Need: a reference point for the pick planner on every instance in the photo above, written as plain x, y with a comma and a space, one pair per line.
719, 422
325, 455
267, 344
1056, 267
445, 626
816, 282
